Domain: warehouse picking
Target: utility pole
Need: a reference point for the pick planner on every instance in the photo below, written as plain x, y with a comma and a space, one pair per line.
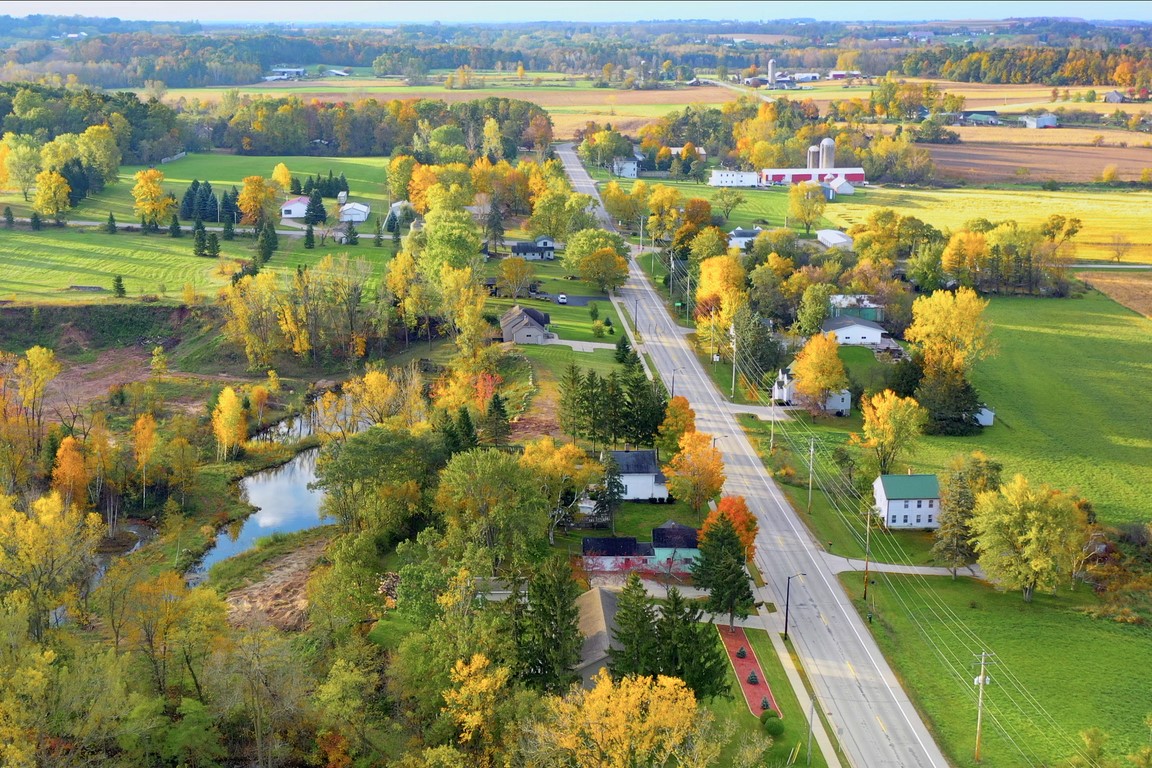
687, 291
981, 681
867, 551
811, 469
732, 331
811, 718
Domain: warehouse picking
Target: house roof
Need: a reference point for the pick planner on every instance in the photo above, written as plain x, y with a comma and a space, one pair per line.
847, 321
673, 535
347, 207
910, 486
610, 546
636, 462
597, 611
738, 232
519, 316
531, 247
302, 199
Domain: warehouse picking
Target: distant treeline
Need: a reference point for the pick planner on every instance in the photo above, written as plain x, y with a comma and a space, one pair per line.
1128, 68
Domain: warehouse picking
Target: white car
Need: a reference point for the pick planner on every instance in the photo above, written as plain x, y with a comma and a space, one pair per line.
562, 298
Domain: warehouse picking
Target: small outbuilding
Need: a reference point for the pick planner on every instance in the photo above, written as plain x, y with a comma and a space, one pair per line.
1046, 120
355, 213
907, 501
834, 238
296, 208
854, 331
740, 238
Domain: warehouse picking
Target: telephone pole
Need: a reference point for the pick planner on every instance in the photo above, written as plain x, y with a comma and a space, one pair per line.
811, 469
732, 331
867, 552
981, 681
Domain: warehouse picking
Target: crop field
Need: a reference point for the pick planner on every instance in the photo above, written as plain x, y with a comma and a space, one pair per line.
984, 163
1103, 212
1132, 289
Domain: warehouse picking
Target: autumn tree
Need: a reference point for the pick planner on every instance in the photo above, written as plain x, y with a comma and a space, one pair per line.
374, 397
229, 423
964, 256
806, 203
70, 475
257, 201
282, 177
891, 426
735, 509
478, 693
605, 268
819, 372
515, 276
679, 420
143, 447
153, 204
561, 472
728, 200
696, 473
950, 331
720, 571
52, 195
22, 162
33, 373
1026, 537
965, 479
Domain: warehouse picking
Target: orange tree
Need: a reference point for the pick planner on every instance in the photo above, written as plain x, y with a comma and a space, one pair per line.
696, 473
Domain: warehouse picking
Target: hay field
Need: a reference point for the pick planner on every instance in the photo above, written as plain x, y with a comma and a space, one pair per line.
1103, 213
990, 163
1132, 289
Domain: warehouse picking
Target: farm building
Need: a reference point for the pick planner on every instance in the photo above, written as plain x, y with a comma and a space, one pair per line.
985, 416
626, 167
542, 248
641, 475
355, 213
843, 74
770, 176
1115, 97
296, 208
806, 77
854, 332
855, 305
981, 117
597, 622
336, 72
834, 238
907, 501
721, 177
284, 73
525, 325
1047, 120
784, 392
740, 238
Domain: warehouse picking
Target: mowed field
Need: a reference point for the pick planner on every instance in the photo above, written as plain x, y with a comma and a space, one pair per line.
1102, 212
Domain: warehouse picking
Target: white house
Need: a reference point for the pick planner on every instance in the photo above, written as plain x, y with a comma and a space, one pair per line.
834, 238
355, 212
626, 167
854, 331
296, 208
907, 501
739, 238
540, 248
784, 391
641, 475
525, 325
722, 177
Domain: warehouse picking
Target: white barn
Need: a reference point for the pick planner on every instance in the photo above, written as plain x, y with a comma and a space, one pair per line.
722, 177
854, 331
907, 501
355, 212
739, 238
641, 475
296, 208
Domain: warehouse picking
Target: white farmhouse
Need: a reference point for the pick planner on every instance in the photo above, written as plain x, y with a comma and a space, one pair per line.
641, 475
907, 501
722, 177
854, 331
784, 393
739, 238
296, 208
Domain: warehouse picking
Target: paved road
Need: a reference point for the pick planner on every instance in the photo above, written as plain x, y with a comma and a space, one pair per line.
873, 718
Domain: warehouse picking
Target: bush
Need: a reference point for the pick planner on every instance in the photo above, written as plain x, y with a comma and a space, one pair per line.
752, 679
740, 654
767, 714
774, 727
598, 329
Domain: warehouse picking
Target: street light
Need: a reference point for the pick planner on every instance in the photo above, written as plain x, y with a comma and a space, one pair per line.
674, 380
715, 438
787, 598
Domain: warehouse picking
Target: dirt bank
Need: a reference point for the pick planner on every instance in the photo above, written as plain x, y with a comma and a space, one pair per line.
280, 598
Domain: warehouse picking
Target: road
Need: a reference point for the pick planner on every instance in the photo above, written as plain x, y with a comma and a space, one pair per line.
873, 719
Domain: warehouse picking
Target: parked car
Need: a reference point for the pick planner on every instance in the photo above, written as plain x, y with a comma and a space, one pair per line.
561, 298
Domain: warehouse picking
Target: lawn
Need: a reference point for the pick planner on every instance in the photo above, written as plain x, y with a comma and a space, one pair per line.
569, 321
1055, 673
634, 518
555, 358
1104, 212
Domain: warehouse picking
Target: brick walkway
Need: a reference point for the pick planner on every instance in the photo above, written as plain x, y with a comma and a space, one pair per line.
754, 693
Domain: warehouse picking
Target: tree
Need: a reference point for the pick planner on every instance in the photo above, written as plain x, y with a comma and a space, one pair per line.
494, 227
1026, 537
548, 636
118, 287
588, 241
689, 649
351, 236
560, 473
22, 162
635, 651
735, 509
696, 473
950, 330
143, 447
495, 428
679, 420
10, 218
159, 363
110, 226
52, 193
720, 570
283, 177
604, 267
814, 309
891, 426
229, 423
174, 229
819, 372
951, 402
257, 201
1119, 245
806, 204
70, 475
728, 200
152, 203
33, 373
212, 246
967, 477
515, 276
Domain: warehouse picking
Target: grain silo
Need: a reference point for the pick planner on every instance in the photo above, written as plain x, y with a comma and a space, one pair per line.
813, 156
827, 153
771, 73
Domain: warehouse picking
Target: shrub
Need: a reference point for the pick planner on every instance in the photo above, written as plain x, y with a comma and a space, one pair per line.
740, 654
767, 707
752, 679
598, 329
774, 727
594, 311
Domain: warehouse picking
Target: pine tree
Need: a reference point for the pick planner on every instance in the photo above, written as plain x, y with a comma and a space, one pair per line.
212, 246
315, 213
309, 238
635, 651
265, 244
378, 237
309, 185
35, 222
445, 425
199, 242
610, 493
495, 425
294, 187
174, 229
110, 225
623, 349
10, 219
689, 648
229, 232
207, 206
720, 571
548, 636
118, 287
351, 236
466, 430
342, 183
571, 415
494, 228
189, 200
391, 223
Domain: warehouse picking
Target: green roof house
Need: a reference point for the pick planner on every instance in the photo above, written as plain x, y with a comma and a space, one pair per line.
907, 501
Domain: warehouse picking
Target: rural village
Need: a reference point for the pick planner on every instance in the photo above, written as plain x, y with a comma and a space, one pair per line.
588, 394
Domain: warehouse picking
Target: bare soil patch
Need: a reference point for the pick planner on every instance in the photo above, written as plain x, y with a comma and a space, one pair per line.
84, 383
540, 418
280, 599
1132, 289
989, 163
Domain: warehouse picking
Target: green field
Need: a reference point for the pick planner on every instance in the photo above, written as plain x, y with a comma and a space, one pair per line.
1081, 672
1104, 212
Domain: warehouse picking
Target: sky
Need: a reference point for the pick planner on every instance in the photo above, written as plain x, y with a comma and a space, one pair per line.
497, 11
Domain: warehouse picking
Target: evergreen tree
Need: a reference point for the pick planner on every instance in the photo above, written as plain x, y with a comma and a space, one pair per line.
495, 424
10, 219
391, 223
951, 401
378, 237
212, 246
309, 238
110, 225
689, 649
328, 186
265, 244
636, 652
342, 183
592, 407
294, 187
118, 287
570, 413
188, 202
623, 349
548, 636
207, 206
494, 227
466, 430
199, 242
610, 492
315, 213
351, 236
76, 175
229, 232
35, 222
720, 571
174, 229
309, 186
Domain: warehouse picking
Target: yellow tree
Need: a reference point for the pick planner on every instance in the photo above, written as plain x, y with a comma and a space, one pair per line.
605, 268
964, 256
515, 276
143, 446
52, 192
719, 295
375, 396
819, 372
259, 400
44, 552
806, 203
153, 204
891, 426
666, 206
950, 330
464, 309
560, 471
257, 200
679, 419
229, 423
99, 150
70, 475
282, 177
474, 701
696, 473
33, 373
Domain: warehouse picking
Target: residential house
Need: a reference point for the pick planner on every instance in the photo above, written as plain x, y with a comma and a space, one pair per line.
296, 208
641, 475
672, 551
740, 238
907, 501
1046, 120
1115, 97
834, 238
524, 325
784, 393
541, 248
626, 167
597, 623
355, 213
673, 542
854, 331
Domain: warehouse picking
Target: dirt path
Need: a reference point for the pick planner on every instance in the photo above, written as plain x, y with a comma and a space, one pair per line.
280, 598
